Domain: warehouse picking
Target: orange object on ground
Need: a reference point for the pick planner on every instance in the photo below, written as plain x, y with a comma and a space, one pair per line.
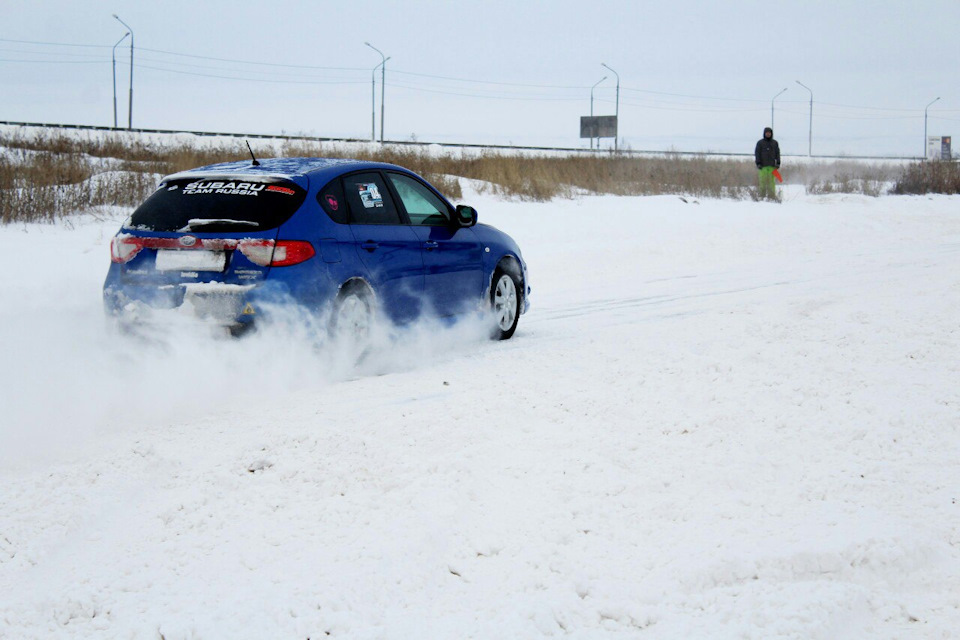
776, 174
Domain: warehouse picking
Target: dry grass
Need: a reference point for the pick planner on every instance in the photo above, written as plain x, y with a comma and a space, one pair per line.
545, 177
929, 177
848, 183
43, 187
846, 176
46, 175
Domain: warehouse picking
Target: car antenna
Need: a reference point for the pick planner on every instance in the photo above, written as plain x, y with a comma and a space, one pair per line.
256, 162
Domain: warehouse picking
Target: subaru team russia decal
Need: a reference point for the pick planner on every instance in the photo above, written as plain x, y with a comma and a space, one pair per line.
224, 188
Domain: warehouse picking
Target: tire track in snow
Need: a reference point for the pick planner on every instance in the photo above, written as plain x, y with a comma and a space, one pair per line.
616, 304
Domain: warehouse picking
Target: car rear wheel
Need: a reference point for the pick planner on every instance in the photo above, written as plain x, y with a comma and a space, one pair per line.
505, 304
352, 318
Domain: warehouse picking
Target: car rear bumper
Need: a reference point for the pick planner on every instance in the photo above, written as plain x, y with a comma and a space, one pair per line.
213, 303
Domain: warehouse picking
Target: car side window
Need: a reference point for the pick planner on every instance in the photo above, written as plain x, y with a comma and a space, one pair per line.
369, 199
332, 201
422, 205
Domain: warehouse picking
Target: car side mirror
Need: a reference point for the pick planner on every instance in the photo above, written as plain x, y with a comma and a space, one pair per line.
466, 216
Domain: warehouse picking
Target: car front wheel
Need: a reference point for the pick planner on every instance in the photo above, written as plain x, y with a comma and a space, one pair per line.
505, 303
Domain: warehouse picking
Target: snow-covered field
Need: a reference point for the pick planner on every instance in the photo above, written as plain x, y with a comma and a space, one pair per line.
719, 420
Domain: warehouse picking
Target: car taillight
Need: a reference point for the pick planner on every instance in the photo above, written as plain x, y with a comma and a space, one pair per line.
282, 253
289, 252
258, 252
123, 248
265, 253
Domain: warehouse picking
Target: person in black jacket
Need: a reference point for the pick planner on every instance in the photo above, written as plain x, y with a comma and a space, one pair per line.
767, 155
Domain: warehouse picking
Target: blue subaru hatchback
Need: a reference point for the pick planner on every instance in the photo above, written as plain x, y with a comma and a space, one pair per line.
229, 242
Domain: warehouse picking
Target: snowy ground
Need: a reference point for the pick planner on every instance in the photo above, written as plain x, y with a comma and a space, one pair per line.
719, 420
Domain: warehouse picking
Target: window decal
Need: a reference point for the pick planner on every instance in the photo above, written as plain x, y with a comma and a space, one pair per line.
332, 202
223, 188
369, 194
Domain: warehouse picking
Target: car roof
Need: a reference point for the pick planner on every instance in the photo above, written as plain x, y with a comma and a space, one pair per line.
290, 168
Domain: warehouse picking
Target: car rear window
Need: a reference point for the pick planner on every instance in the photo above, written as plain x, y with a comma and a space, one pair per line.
218, 204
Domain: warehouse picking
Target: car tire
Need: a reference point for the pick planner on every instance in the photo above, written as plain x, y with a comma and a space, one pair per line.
506, 298
351, 320
242, 329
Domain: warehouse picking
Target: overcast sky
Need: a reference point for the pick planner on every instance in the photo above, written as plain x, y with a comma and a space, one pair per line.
694, 76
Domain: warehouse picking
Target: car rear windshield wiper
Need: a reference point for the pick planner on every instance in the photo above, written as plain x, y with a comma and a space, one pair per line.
196, 223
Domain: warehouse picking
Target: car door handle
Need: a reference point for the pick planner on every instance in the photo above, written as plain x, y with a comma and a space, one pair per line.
430, 245
369, 245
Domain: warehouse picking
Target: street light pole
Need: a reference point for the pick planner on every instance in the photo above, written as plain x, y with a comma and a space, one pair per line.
925, 128
771, 107
617, 112
130, 106
373, 103
591, 106
113, 58
810, 141
383, 82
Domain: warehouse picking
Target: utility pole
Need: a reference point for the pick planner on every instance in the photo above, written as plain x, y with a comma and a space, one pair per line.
810, 142
925, 128
591, 108
113, 58
383, 82
617, 112
130, 106
771, 108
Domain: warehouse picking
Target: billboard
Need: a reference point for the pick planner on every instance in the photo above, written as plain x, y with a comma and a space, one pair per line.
938, 148
598, 126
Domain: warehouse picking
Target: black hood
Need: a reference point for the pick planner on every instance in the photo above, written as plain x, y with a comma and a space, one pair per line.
765, 129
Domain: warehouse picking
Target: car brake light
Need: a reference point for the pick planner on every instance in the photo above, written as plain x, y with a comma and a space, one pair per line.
282, 253
290, 252
123, 248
